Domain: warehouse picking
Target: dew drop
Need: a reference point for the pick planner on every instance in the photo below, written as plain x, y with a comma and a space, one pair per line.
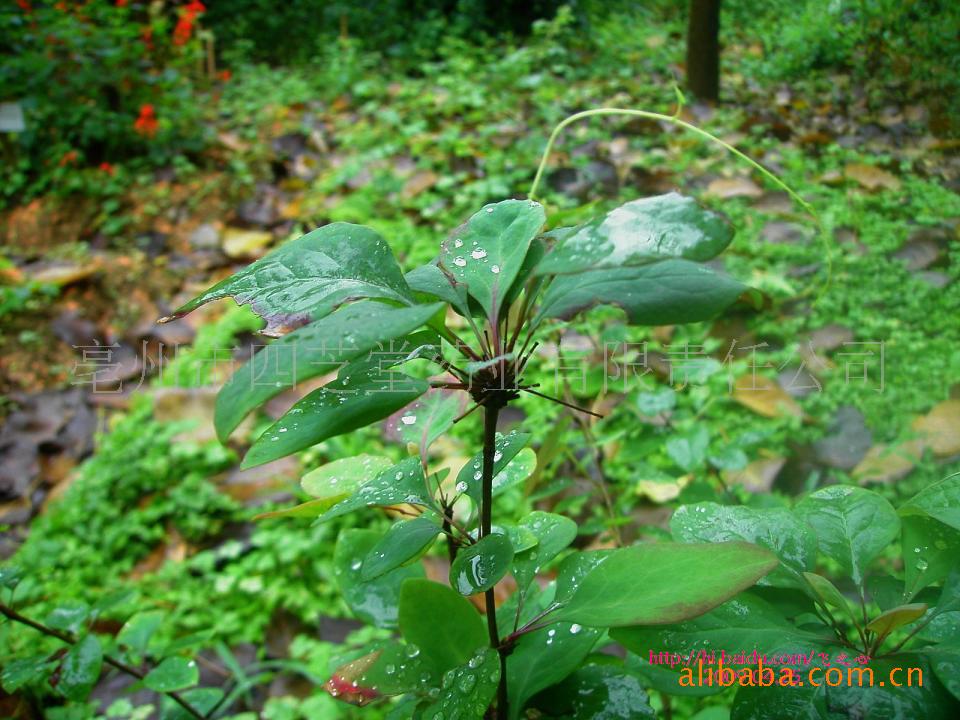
408, 419
478, 254
495, 269
459, 262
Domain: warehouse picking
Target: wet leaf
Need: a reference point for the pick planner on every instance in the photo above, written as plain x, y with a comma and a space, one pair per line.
468, 690
890, 620
553, 532
307, 278
80, 668
442, 624
480, 566
598, 692
401, 483
679, 581
174, 673
404, 541
508, 467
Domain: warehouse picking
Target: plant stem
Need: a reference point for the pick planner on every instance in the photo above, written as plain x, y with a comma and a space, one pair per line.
491, 411
14, 616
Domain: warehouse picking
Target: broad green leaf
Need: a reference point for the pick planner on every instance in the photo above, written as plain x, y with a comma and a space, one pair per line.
777, 702
662, 678
930, 551
317, 349
480, 566
468, 690
174, 673
431, 280
888, 621
598, 692
640, 232
202, 699
554, 533
375, 602
18, 672
543, 658
829, 595
386, 668
401, 483
472, 368
10, 576
70, 616
429, 417
404, 541
656, 583
745, 623
442, 624
773, 528
853, 525
359, 396
136, 632
669, 292
949, 599
80, 668
487, 252
506, 448
538, 249
341, 478
939, 500
305, 279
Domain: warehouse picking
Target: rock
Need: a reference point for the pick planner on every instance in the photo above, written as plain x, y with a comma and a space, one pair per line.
934, 278
205, 237
75, 330
830, 337
774, 203
798, 382
847, 441
261, 210
918, 254
245, 244
598, 177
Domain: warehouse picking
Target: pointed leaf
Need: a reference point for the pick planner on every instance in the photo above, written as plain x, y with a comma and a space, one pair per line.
773, 528
429, 417
487, 252
136, 632
887, 622
307, 278
357, 398
442, 624
375, 602
598, 692
404, 541
506, 448
319, 348
639, 232
939, 500
853, 525
657, 583
401, 483
480, 566
174, 673
669, 292
431, 280
828, 594
342, 477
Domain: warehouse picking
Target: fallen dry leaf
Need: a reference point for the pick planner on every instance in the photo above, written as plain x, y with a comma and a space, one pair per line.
886, 464
756, 477
734, 187
871, 177
239, 243
940, 428
419, 182
765, 397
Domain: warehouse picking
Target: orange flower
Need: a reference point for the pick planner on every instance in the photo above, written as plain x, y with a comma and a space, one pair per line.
225, 75
68, 158
146, 124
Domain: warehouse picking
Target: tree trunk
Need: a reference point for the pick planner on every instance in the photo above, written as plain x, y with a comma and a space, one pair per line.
703, 49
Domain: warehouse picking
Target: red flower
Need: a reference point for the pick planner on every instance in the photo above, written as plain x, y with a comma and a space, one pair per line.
146, 34
225, 75
183, 30
25, 5
196, 8
121, 3
68, 158
107, 168
146, 124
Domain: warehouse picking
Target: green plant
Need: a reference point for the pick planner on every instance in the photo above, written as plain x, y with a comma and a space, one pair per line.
504, 280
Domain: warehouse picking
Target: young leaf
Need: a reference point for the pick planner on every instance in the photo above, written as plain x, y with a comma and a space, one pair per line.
487, 252
640, 232
828, 594
81, 668
543, 658
319, 348
404, 541
375, 602
773, 528
174, 673
469, 689
429, 417
358, 397
678, 581
305, 279
443, 625
480, 566
554, 533
136, 632
888, 621
401, 483
69, 617
853, 525
669, 292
